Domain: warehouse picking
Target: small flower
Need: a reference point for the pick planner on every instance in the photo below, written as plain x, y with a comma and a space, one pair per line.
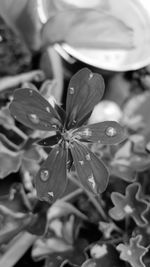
133, 252
71, 134
130, 205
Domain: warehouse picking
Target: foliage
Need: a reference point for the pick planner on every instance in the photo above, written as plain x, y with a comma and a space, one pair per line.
75, 181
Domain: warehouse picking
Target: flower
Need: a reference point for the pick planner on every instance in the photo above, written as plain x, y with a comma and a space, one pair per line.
129, 205
71, 134
133, 252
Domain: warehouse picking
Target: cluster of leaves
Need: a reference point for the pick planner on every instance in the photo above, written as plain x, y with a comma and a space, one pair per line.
105, 221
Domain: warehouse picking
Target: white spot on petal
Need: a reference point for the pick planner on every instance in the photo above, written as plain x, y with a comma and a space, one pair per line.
81, 162
90, 76
31, 92
88, 157
51, 194
48, 109
71, 90
128, 209
87, 132
33, 118
92, 181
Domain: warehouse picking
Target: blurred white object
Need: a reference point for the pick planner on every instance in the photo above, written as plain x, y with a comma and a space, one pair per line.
134, 13
105, 111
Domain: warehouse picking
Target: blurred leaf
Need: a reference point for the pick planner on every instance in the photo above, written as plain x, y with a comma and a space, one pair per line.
6, 120
90, 28
136, 112
121, 170
9, 161
133, 252
131, 205
106, 110
18, 213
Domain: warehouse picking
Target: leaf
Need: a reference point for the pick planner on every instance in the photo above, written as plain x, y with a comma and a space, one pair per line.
87, 28
107, 133
15, 213
10, 161
51, 180
92, 173
130, 205
6, 119
85, 90
136, 112
123, 171
133, 252
31, 109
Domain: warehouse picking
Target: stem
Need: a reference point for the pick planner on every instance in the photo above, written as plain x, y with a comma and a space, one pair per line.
19, 132
91, 197
16, 250
72, 195
12, 81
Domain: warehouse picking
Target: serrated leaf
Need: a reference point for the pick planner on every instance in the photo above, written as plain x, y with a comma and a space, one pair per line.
129, 205
133, 252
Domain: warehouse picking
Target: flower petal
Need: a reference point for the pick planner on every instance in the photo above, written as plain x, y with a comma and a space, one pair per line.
84, 92
91, 171
51, 179
107, 133
49, 141
31, 109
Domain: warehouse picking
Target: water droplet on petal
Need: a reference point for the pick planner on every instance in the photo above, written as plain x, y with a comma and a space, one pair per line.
71, 90
90, 76
44, 175
34, 118
111, 131
48, 109
88, 157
